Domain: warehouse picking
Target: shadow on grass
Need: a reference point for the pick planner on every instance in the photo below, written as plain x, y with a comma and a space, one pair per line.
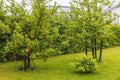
118, 78
22, 68
83, 73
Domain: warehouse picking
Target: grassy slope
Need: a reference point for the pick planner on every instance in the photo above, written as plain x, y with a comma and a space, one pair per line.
58, 68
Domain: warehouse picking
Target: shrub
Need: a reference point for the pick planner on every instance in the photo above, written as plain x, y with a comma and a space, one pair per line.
85, 65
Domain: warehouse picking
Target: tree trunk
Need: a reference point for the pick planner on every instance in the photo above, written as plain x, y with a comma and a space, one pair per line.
95, 48
28, 60
25, 63
101, 45
92, 47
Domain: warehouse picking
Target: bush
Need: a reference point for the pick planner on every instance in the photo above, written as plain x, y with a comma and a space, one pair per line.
85, 65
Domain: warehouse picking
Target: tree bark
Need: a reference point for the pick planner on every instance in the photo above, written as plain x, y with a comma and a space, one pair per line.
92, 47
101, 46
95, 48
25, 63
28, 61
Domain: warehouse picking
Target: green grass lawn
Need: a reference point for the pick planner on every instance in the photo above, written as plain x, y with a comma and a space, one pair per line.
58, 68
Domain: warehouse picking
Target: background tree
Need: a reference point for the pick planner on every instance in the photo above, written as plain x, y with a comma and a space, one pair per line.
92, 21
5, 31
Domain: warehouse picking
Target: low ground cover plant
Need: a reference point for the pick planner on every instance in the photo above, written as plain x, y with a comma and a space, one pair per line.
85, 65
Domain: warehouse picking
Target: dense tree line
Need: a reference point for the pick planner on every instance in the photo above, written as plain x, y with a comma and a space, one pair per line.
41, 33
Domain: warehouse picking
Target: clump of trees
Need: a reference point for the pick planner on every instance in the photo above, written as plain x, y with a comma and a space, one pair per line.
93, 23
41, 32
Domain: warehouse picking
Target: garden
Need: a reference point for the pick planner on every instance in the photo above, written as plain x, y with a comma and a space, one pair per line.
42, 44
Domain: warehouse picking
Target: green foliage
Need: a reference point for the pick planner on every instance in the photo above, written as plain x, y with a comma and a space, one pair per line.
85, 65
19, 43
5, 32
48, 53
43, 32
116, 31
